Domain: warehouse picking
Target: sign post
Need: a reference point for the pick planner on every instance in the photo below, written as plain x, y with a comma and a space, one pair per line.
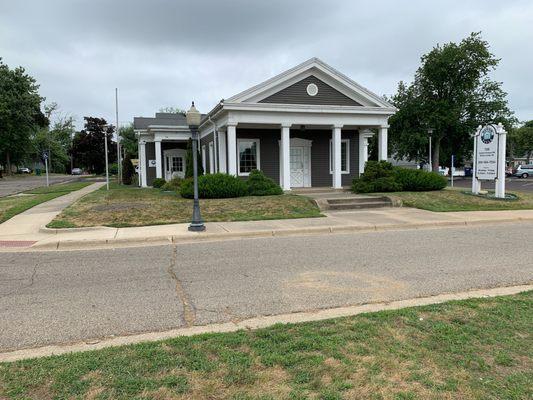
489, 158
45, 156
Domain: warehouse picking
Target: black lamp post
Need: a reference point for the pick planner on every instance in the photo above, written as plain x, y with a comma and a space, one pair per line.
193, 120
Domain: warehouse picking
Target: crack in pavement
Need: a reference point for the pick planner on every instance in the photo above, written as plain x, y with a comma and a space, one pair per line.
30, 284
189, 313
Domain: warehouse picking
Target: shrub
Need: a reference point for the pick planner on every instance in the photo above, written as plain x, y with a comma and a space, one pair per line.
215, 186
417, 180
381, 176
172, 185
158, 183
128, 171
113, 168
261, 185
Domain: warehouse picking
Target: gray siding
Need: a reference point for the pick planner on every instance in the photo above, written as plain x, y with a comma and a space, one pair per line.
297, 94
150, 155
320, 176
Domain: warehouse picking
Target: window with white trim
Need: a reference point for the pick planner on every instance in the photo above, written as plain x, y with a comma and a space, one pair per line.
345, 156
248, 154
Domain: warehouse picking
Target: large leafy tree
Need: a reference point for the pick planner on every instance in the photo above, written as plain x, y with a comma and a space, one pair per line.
451, 94
128, 140
88, 147
20, 114
521, 141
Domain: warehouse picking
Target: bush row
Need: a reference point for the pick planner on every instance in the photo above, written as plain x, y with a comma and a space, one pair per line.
382, 176
220, 186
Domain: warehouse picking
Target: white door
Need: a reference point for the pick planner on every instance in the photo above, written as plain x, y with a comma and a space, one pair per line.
297, 166
174, 163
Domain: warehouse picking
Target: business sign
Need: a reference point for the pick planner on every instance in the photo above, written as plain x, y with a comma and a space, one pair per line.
151, 163
486, 157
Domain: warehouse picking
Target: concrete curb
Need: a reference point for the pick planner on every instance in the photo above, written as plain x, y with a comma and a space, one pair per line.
206, 236
256, 323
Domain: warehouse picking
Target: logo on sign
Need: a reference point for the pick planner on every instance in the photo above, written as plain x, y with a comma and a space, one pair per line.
487, 134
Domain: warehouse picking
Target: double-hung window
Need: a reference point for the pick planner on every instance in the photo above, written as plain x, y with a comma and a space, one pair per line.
248, 153
345, 156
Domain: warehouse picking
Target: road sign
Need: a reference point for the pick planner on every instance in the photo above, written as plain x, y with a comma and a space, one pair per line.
45, 155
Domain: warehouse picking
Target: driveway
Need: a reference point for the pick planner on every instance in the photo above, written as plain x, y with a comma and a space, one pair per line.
61, 297
16, 184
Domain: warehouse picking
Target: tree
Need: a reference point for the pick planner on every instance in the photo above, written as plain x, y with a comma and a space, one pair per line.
172, 110
452, 94
127, 170
20, 114
88, 146
189, 163
521, 141
128, 140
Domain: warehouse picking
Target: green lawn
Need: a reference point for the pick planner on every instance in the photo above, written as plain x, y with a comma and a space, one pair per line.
459, 200
13, 205
131, 206
474, 349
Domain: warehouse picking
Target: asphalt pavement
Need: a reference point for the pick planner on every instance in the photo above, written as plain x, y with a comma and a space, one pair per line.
511, 184
63, 297
20, 183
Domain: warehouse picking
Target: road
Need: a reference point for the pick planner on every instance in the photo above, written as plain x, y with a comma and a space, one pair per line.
61, 297
17, 184
511, 184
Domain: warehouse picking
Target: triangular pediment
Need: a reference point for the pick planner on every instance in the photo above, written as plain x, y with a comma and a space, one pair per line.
314, 83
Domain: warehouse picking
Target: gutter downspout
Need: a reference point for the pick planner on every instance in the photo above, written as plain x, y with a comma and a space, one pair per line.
215, 140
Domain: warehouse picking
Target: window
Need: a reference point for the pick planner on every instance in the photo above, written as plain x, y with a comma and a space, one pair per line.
345, 156
177, 164
248, 152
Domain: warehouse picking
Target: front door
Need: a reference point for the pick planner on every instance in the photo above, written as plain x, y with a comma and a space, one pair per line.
297, 166
175, 167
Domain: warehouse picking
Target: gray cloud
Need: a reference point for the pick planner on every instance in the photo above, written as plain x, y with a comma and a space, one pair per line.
163, 52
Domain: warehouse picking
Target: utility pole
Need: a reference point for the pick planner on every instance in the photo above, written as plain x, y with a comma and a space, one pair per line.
119, 162
106, 158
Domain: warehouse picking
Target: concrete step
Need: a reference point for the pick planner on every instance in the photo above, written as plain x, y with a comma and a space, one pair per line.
358, 206
356, 200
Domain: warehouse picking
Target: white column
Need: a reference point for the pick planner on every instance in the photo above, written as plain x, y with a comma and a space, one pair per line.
364, 135
232, 150
158, 160
222, 152
476, 184
285, 149
336, 144
382, 143
502, 144
142, 162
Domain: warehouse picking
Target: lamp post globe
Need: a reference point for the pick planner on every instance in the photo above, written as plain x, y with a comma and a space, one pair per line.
193, 120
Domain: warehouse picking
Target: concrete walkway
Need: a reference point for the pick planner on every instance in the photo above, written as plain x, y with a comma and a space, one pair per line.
26, 225
334, 222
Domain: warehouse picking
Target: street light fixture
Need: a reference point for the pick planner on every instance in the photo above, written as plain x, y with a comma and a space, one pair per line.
193, 120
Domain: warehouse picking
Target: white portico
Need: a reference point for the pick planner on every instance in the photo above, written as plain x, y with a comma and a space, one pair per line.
319, 120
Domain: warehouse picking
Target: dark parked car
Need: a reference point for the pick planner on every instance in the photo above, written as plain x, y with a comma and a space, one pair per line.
76, 171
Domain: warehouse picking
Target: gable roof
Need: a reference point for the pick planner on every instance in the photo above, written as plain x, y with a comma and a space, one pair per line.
319, 69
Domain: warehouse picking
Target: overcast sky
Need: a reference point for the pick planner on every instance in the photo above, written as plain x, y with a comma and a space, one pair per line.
168, 52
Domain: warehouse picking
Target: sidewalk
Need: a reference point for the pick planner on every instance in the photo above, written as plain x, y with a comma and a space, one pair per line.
25, 226
30, 226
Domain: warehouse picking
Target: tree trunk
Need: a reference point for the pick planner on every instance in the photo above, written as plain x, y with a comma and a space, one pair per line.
8, 162
436, 154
